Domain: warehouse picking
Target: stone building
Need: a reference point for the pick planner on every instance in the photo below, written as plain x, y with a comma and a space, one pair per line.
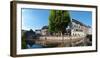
78, 28
38, 32
44, 30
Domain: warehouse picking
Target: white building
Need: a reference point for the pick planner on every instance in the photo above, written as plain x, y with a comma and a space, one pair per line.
44, 30
38, 32
78, 28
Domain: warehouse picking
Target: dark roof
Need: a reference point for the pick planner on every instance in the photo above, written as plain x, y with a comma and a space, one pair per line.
78, 22
45, 27
38, 30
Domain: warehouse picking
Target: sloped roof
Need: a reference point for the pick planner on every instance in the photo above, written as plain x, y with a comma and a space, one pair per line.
78, 22
45, 27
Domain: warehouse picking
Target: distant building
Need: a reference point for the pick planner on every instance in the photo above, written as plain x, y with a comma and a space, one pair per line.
44, 30
38, 32
78, 28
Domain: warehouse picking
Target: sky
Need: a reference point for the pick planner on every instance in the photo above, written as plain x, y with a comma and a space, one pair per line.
37, 18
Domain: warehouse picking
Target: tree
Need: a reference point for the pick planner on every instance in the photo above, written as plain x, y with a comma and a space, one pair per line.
52, 22
58, 21
24, 45
30, 35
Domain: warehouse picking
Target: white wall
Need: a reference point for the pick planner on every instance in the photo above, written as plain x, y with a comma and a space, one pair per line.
5, 29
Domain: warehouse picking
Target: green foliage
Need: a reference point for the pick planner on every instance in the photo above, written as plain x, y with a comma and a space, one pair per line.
24, 46
58, 21
51, 21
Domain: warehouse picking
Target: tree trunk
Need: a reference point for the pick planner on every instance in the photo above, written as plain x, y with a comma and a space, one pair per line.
62, 38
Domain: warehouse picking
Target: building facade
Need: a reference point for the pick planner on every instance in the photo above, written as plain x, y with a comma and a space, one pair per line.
75, 28
78, 28
38, 32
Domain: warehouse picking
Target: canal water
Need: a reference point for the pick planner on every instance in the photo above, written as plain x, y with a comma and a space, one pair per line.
34, 46
86, 43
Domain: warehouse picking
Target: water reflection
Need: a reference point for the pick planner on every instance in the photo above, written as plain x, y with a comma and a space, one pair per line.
34, 46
